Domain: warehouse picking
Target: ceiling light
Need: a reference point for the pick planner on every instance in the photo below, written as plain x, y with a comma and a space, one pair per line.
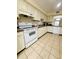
59, 4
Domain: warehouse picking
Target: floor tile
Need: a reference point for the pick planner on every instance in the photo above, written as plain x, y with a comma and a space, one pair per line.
38, 49
39, 57
28, 51
44, 54
51, 57
34, 45
34, 55
48, 48
38, 42
41, 44
55, 53
22, 56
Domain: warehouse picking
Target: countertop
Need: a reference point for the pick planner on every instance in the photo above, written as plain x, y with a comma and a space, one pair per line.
48, 26
19, 30
41, 26
55, 26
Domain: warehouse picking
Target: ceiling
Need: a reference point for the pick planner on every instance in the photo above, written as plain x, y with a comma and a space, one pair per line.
49, 6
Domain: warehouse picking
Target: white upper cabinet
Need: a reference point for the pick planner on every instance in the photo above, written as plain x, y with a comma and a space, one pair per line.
21, 7
36, 15
39, 15
41, 31
27, 9
50, 29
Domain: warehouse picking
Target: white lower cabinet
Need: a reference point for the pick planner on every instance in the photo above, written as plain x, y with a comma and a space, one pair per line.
49, 29
41, 31
57, 30
20, 41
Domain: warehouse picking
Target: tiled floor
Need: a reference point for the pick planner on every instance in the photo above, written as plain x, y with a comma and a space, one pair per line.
47, 47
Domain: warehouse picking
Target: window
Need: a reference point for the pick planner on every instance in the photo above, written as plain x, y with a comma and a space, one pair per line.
56, 23
58, 19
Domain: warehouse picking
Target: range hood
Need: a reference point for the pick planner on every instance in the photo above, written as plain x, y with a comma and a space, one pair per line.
25, 13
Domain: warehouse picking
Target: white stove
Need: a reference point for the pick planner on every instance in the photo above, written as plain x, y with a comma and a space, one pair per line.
30, 33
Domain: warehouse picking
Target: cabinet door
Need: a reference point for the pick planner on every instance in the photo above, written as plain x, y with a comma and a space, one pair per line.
31, 10
21, 5
50, 29
36, 15
56, 30
41, 31
60, 30
44, 30
20, 41
23, 8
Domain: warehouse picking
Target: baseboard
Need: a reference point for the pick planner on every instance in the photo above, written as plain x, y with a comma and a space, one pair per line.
50, 32
20, 51
42, 35
60, 34
53, 33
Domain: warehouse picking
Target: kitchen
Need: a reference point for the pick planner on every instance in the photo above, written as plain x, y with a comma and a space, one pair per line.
39, 29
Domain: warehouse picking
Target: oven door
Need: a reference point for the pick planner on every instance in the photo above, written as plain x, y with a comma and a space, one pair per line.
30, 35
